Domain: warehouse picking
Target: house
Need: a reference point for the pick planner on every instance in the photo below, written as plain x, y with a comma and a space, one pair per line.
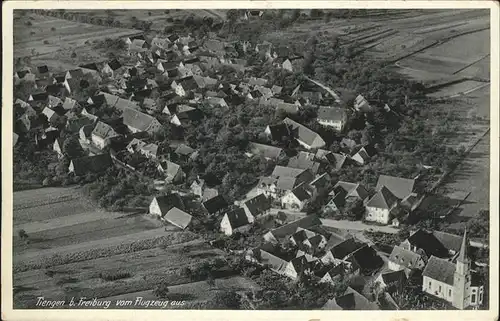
90, 68
278, 132
451, 242
214, 46
58, 148
74, 74
381, 206
329, 274
216, 101
267, 258
334, 117
306, 137
74, 85
353, 191
50, 114
186, 114
184, 152
103, 134
287, 108
266, 151
173, 172
149, 150
320, 183
137, 121
283, 179
236, 220
402, 259
38, 96
204, 189
109, 68
178, 218
350, 300
341, 251
455, 282
362, 105
73, 124
363, 154
426, 244
215, 205
90, 164
392, 282
258, 205
400, 187
42, 71
160, 205
285, 231
70, 104
130, 39
367, 259
264, 49
15, 138
304, 160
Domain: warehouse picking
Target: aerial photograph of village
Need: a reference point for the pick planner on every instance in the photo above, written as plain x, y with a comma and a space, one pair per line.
244, 159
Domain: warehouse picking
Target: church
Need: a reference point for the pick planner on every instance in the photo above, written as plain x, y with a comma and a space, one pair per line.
454, 282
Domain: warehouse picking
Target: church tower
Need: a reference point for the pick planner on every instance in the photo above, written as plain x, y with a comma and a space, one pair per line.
462, 277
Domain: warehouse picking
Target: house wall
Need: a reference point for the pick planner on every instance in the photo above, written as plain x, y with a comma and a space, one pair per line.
337, 125
290, 271
438, 289
71, 168
175, 120
476, 295
378, 215
180, 91
291, 202
393, 266
358, 159
225, 226
100, 142
154, 208
269, 237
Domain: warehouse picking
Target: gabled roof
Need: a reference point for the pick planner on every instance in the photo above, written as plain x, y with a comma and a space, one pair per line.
178, 217
170, 168
69, 103
94, 164
337, 159
288, 108
258, 205
215, 204
90, 66
404, 257
279, 131
450, 241
184, 150
237, 218
282, 171
331, 114
136, 119
104, 131
304, 160
383, 199
54, 101
42, 69
266, 151
75, 73
400, 187
428, 243
276, 263
114, 64
321, 181
440, 270
305, 134
169, 201
345, 248
290, 228
301, 193
350, 300
367, 258
395, 277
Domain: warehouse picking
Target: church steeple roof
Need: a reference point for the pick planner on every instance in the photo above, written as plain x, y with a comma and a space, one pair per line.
463, 255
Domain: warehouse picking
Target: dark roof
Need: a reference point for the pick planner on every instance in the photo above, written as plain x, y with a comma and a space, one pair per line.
39, 96
397, 277
367, 259
343, 249
237, 218
279, 131
351, 300
76, 73
304, 160
211, 180
169, 201
54, 89
91, 66
400, 187
428, 243
139, 37
290, 228
94, 164
42, 69
189, 83
114, 64
258, 205
382, 199
22, 73
301, 193
104, 130
215, 204
440, 270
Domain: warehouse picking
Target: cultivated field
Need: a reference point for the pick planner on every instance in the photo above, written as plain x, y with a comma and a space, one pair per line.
70, 243
48, 34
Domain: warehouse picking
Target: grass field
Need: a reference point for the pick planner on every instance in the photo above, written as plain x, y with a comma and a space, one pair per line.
70, 243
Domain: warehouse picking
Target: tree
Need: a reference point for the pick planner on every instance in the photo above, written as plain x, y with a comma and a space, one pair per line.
355, 210
161, 290
22, 234
72, 148
226, 300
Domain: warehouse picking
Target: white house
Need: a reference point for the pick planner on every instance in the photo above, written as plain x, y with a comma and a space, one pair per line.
332, 117
296, 199
236, 221
381, 206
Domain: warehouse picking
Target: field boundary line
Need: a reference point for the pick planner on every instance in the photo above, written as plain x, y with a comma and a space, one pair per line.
461, 69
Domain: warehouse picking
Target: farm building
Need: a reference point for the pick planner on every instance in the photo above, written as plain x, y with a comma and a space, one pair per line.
332, 117
90, 164
236, 220
160, 205
381, 206
178, 218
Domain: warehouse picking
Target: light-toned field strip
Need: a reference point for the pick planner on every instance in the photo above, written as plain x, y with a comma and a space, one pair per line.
85, 217
97, 244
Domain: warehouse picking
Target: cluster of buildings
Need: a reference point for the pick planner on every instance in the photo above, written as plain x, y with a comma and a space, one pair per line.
164, 82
